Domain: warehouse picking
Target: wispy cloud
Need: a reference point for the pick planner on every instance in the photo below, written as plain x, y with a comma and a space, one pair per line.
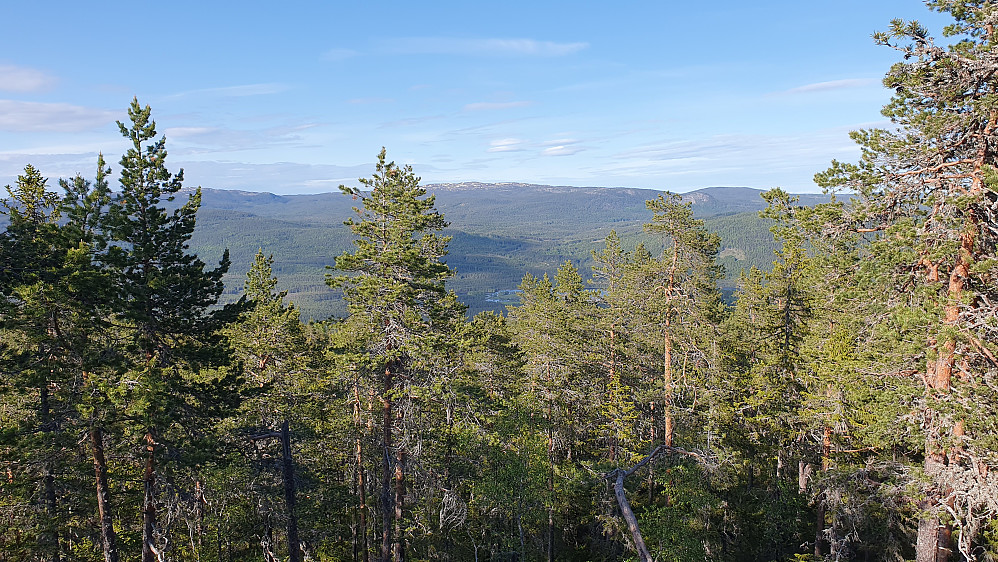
339, 54
21, 79
506, 145
482, 47
831, 85
410, 121
26, 116
208, 140
184, 132
754, 160
561, 150
559, 142
366, 101
240, 91
491, 106
561, 147
277, 177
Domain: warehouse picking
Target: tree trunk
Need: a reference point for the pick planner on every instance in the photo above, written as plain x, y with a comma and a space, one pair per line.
149, 501
109, 541
387, 511
820, 541
667, 344
618, 476
398, 553
667, 372
360, 548
629, 518
294, 545
550, 529
50, 536
933, 540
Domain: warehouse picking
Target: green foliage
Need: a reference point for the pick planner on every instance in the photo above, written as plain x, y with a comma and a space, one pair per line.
841, 403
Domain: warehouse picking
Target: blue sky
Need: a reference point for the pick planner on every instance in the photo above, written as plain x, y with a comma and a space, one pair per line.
300, 97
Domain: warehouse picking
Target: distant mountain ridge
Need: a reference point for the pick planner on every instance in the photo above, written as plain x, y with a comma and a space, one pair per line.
500, 232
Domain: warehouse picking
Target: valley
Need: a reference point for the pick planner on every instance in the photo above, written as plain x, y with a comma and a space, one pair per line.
499, 233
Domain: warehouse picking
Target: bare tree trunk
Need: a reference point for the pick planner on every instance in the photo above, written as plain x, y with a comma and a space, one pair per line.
294, 545
550, 529
51, 530
651, 467
109, 541
149, 501
617, 476
398, 552
933, 540
387, 511
629, 518
615, 444
667, 359
820, 541
360, 547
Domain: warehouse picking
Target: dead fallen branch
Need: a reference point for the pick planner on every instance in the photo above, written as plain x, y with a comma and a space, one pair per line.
618, 475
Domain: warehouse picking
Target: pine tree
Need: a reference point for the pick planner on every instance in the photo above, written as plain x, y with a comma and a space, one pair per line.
681, 296
54, 320
399, 310
164, 299
270, 343
35, 355
926, 194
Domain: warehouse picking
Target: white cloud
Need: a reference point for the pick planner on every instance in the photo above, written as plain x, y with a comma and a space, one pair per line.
490, 106
183, 132
558, 142
506, 145
831, 85
207, 140
561, 150
21, 79
277, 177
410, 121
482, 47
25, 116
53, 165
240, 91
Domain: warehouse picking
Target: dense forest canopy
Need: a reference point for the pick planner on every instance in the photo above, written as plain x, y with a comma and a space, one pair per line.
844, 404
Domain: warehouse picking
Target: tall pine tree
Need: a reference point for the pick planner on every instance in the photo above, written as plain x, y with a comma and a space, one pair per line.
165, 303
926, 195
399, 310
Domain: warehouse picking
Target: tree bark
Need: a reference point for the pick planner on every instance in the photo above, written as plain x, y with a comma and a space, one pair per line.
149, 500
398, 552
617, 476
294, 545
820, 541
109, 540
550, 422
387, 511
50, 534
629, 518
360, 548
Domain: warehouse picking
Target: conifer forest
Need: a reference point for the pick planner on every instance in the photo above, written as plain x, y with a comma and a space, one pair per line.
841, 405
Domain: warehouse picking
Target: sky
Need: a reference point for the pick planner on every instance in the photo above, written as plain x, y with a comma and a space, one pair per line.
299, 97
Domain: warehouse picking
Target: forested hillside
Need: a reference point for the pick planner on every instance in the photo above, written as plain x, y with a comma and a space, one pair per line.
500, 232
842, 404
